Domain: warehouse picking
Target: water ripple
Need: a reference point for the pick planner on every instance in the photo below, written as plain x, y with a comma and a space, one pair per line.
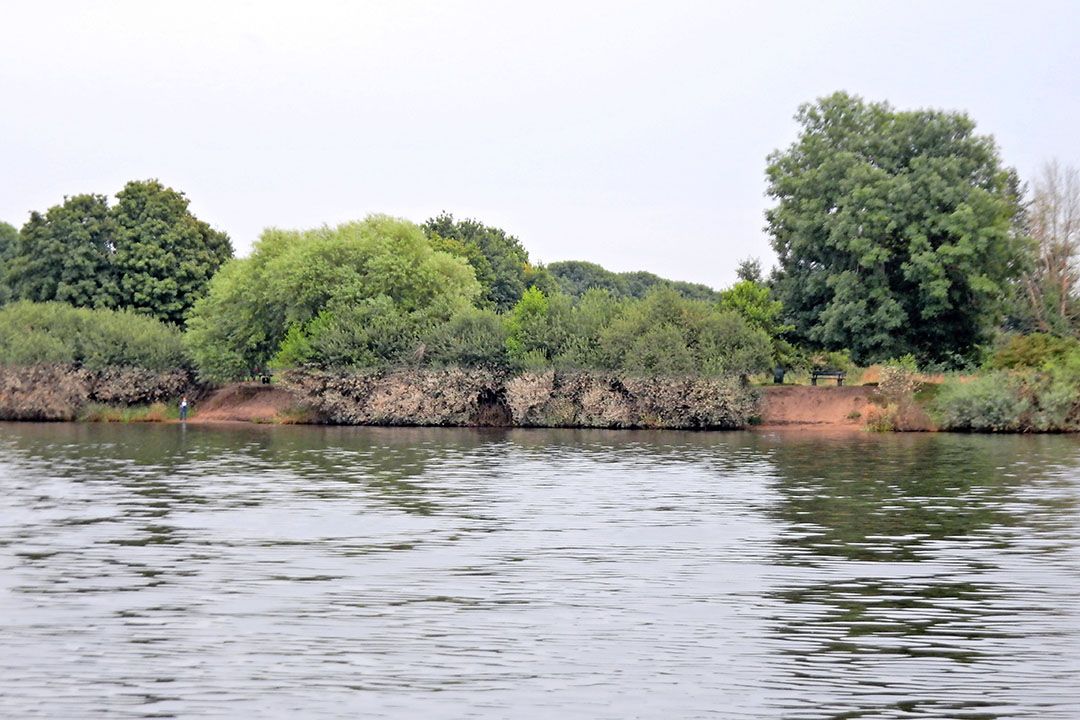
328, 572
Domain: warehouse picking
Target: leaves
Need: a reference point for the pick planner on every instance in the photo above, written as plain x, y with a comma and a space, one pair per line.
147, 253
892, 230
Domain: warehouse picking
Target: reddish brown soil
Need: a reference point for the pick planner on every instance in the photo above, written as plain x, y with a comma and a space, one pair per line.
817, 405
246, 402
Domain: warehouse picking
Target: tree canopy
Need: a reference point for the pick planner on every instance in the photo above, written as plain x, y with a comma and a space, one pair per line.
165, 256
576, 277
892, 230
499, 260
358, 294
146, 253
9, 236
66, 254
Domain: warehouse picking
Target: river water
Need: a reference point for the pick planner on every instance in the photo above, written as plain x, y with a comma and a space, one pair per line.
282, 572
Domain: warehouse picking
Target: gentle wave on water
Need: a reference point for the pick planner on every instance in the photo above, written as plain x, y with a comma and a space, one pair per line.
163, 571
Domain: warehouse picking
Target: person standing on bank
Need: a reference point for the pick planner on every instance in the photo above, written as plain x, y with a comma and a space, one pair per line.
183, 409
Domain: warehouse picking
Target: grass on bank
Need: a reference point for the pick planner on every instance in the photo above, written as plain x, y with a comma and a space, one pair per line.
153, 413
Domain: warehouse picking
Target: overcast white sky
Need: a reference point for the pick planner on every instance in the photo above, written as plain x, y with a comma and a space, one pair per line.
633, 134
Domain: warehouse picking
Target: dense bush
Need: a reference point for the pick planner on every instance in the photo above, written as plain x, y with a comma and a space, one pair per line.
1012, 402
988, 403
53, 332
1037, 350
472, 338
664, 334
146, 252
359, 294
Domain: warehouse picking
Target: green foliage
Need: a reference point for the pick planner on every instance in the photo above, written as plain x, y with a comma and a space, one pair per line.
54, 332
164, 256
361, 294
832, 360
471, 338
892, 230
9, 236
750, 269
147, 253
584, 326
528, 329
66, 255
755, 303
575, 277
668, 334
499, 260
370, 333
987, 403
1014, 402
1037, 350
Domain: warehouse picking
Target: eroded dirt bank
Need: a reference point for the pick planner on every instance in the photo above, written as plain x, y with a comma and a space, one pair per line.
545, 399
451, 397
801, 405
60, 392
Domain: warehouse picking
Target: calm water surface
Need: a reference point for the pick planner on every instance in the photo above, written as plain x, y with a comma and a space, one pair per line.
339, 572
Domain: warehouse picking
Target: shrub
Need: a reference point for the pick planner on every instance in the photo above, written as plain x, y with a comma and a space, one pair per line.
994, 402
668, 334
53, 332
323, 287
472, 337
1037, 350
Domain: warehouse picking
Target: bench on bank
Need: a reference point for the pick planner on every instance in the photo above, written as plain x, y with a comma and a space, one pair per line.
827, 373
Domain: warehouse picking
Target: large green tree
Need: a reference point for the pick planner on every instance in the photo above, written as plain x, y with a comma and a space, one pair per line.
9, 236
66, 255
499, 260
360, 294
165, 256
892, 230
146, 253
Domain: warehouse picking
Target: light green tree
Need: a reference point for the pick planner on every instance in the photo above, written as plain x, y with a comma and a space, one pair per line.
360, 294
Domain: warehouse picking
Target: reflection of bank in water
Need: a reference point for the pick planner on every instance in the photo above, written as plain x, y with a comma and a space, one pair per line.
905, 557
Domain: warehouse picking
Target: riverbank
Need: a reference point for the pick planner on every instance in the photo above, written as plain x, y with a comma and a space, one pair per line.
788, 407
456, 397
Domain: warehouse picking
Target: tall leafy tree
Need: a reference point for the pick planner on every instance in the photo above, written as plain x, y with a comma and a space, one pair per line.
9, 236
66, 254
360, 294
499, 260
165, 256
892, 230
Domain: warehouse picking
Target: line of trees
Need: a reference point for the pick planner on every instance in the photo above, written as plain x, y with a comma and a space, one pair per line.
898, 233
379, 292
146, 253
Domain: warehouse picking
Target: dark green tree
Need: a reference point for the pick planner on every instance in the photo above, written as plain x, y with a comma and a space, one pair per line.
165, 256
576, 277
892, 230
9, 237
750, 269
499, 260
66, 255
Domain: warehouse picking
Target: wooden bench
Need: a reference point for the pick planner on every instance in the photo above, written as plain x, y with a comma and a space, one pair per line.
827, 373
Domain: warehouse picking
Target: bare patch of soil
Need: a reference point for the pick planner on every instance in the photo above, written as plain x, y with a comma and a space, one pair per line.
810, 405
248, 402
